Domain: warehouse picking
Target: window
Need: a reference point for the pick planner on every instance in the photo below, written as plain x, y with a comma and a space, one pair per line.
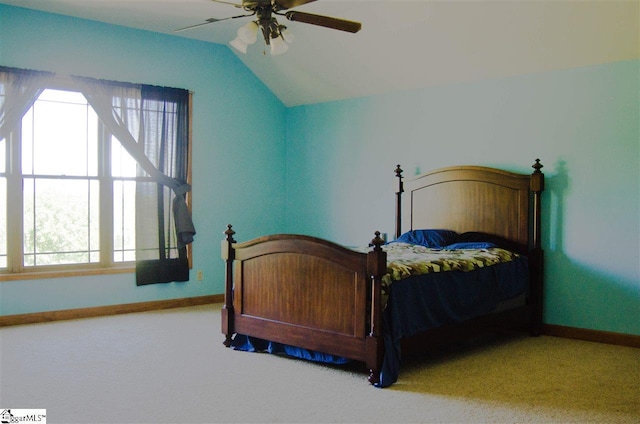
70, 169
74, 192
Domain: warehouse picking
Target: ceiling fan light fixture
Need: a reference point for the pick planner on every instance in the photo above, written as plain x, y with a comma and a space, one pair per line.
239, 45
278, 46
248, 33
287, 35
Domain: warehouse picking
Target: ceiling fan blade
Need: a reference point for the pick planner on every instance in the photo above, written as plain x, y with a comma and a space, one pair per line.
208, 21
324, 21
228, 2
288, 4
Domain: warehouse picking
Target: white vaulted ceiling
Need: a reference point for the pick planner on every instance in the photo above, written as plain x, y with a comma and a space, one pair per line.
403, 45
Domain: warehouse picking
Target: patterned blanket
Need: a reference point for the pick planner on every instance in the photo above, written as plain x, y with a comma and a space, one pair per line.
404, 260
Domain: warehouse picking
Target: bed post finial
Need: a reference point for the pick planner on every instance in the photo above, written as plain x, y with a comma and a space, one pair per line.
377, 241
537, 166
229, 233
398, 172
228, 254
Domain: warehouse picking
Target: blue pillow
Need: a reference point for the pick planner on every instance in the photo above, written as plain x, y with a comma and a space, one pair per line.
434, 239
475, 237
470, 245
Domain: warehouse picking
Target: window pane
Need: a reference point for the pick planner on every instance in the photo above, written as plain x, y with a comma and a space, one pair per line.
124, 216
122, 164
60, 136
60, 221
27, 143
94, 219
92, 142
3, 223
3, 156
3, 208
3, 203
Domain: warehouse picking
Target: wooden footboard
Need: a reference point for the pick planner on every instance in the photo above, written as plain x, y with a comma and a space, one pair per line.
306, 292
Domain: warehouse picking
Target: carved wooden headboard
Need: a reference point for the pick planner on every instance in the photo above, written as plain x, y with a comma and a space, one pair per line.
473, 198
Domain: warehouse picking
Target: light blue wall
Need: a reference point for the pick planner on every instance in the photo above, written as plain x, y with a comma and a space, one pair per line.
237, 160
582, 124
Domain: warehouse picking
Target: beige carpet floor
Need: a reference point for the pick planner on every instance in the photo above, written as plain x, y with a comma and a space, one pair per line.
171, 367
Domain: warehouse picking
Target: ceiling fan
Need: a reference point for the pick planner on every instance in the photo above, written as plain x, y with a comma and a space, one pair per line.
275, 35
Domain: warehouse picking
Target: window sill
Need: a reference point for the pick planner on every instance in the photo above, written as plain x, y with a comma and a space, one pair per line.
64, 273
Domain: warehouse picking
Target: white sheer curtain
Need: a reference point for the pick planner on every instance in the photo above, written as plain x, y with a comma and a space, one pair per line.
19, 89
151, 123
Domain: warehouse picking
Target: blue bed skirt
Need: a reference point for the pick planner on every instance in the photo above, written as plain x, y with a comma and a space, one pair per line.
420, 303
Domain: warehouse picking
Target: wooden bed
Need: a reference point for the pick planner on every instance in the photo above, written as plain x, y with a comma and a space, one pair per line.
314, 294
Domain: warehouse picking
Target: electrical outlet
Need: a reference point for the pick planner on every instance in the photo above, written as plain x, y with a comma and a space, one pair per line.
200, 275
